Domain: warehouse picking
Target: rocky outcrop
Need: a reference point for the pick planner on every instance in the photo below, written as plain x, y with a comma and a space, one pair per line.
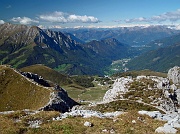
169, 94
119, 88
174, 75
36, 78
59, 101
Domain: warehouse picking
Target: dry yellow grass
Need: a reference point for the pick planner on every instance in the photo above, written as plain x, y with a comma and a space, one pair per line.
17, 93
75, 125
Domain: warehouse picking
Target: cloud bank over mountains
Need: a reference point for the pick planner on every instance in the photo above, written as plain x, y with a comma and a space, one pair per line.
24, 20
61, 17
57, 18
168, 16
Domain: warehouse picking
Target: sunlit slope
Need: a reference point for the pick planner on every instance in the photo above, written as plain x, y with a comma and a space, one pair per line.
17, 92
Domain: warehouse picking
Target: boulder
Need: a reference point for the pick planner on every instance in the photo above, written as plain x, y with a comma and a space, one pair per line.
166, 130
88, 124
174, 75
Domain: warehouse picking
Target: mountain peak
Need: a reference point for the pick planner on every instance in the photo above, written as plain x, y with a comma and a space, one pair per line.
22, 46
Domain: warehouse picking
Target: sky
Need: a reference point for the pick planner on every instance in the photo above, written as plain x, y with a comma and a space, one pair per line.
90, 13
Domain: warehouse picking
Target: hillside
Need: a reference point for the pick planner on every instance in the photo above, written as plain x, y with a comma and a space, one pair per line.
164, 42
22, 46
160, 60
48, 74
109, 48
17, 92
139, 73
24, 90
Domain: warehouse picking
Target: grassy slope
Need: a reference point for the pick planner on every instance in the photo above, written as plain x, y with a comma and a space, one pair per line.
78, 87
141, 72
75, 125
17, 93
88, 94
48, 74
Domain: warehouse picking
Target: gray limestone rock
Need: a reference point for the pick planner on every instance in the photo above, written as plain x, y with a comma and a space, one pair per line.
119, 87
166, 130
88, 124
174, 75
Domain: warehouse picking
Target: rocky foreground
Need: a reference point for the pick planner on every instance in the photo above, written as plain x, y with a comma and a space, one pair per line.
157, 92
168, 101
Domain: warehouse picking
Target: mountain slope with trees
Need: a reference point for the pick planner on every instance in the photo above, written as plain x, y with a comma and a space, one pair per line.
160, 60
22, 46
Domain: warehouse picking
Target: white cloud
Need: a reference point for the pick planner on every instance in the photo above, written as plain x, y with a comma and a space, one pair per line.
60, 17
54, 17
171, 16
168, 16
140, 19
24, 20
2, 22
84, 19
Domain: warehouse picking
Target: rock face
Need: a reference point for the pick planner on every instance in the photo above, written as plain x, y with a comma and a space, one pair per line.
60, 101
174, 75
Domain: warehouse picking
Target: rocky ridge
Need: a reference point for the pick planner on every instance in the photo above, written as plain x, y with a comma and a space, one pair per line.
25, 35
58, 97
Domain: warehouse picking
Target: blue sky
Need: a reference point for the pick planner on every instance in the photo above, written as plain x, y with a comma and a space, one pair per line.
90, 13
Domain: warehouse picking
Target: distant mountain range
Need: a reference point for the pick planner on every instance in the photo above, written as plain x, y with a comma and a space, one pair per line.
133, 36
164, 42
22, 46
